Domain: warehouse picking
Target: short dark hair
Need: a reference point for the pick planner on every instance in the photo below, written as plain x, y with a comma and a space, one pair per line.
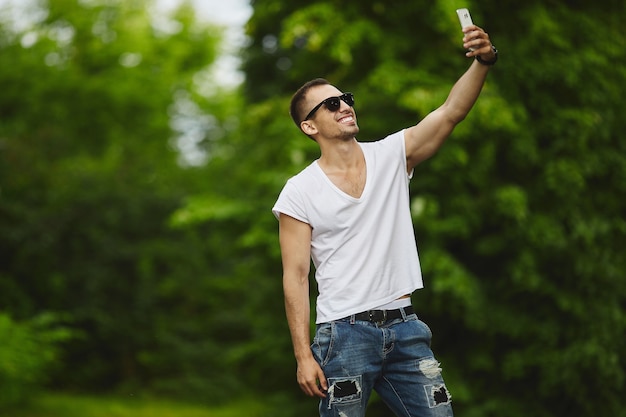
295, 110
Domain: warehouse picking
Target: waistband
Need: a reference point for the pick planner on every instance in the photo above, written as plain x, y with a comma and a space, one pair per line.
381, 316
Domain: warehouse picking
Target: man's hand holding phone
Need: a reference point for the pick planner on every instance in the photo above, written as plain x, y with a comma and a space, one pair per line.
476, 40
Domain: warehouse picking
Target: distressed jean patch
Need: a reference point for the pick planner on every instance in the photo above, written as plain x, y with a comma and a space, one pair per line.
430, 368
344, 390
437, 395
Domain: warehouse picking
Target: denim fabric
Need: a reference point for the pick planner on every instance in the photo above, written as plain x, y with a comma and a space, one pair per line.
393, 358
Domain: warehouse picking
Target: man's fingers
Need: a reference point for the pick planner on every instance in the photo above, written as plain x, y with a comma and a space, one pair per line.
315, 385
311, 379
312, 389
323, 383
476, 41
318, 392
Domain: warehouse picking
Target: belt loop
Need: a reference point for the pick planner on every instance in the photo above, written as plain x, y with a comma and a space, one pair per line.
403, 312
352, 319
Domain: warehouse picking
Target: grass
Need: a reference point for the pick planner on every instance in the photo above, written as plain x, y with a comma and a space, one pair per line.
66, 405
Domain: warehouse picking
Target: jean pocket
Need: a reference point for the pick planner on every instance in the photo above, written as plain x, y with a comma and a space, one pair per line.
323, 342
426, 328
423, 327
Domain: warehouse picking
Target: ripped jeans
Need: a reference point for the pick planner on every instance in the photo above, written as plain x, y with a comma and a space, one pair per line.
393, 358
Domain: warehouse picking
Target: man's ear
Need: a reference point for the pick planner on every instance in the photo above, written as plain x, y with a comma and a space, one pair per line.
308, 128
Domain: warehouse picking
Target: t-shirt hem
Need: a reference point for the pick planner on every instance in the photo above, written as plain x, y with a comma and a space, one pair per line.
369, 306
278, 210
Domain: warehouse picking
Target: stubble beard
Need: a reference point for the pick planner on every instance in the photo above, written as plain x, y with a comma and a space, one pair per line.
348, 134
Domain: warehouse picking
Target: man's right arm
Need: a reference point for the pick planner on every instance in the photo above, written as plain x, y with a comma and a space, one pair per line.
295, 246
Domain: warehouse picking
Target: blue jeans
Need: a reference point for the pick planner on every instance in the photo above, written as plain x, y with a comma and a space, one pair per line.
393, 358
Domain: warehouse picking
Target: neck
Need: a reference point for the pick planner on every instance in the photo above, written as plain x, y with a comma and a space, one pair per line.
341, 155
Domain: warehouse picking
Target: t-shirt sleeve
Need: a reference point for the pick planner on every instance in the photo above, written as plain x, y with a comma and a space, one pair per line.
291, 203
395, 146
403, 150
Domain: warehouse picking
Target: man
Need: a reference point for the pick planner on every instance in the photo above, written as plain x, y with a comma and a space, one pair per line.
349, 212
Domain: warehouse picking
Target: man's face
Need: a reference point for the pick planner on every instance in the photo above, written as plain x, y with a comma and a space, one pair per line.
340, 123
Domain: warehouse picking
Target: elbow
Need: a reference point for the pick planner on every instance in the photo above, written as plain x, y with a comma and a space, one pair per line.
456, 116
454, 113
455, 120
296, 278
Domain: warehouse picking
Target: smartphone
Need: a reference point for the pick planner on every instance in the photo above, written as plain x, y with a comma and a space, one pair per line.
465, 19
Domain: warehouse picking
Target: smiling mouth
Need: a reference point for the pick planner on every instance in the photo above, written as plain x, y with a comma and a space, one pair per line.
347, 119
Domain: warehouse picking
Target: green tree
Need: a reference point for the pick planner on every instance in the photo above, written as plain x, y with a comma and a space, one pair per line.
27, 354
94, 94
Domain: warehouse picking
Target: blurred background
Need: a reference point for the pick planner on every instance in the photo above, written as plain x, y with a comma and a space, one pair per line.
143, 144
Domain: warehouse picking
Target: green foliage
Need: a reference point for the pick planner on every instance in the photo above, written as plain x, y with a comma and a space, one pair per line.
28, 352
64, 405
90, 177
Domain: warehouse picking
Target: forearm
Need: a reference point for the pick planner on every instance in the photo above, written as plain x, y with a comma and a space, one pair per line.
310, 375
297, 308
465, 92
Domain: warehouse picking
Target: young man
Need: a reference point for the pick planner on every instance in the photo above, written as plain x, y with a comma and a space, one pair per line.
349, 212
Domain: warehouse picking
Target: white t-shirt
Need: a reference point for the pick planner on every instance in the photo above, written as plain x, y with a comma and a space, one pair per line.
363, 249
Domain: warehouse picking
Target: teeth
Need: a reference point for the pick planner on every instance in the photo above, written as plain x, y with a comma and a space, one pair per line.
346, 119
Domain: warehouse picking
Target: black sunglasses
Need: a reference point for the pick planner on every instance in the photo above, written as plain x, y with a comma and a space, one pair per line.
332, 104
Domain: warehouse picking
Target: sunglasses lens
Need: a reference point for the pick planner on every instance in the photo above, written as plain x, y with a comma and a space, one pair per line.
333, 103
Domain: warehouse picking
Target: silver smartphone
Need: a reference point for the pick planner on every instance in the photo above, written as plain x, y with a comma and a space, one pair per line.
465, 19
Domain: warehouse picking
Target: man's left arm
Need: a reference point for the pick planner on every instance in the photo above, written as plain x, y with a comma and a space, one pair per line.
425, 138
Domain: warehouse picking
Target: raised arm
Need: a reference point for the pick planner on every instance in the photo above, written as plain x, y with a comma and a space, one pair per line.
425, 138
295, 246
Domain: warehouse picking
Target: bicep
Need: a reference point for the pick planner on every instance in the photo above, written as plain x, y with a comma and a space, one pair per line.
295, 246
425, 138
